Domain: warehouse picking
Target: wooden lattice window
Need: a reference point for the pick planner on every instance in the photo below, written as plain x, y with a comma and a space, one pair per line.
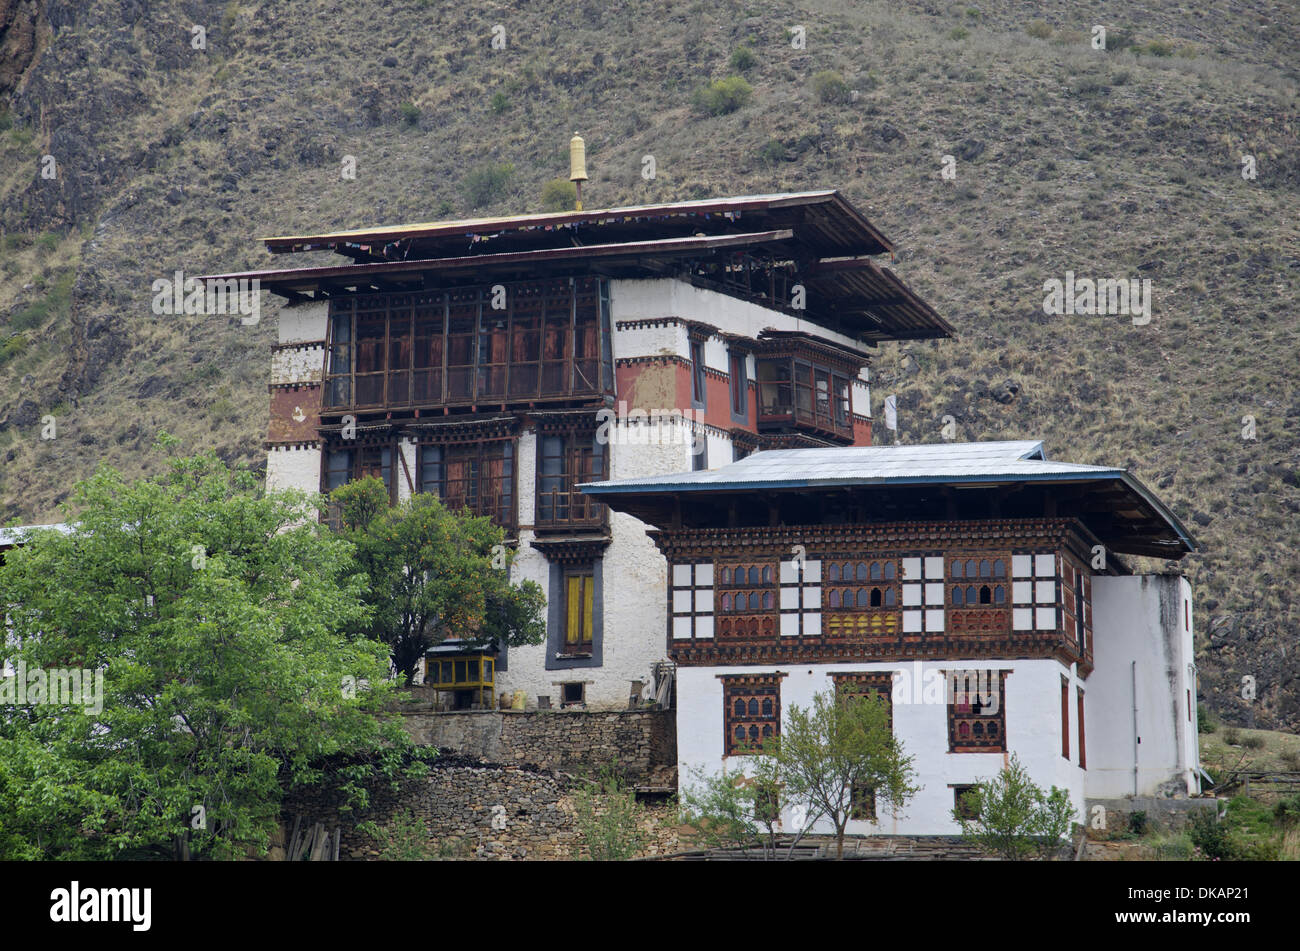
478, 476
977, 711
579, 610
978, 581
751, 712
862, 799
341, 466
746, 588
965, 801
565, 461
862, 585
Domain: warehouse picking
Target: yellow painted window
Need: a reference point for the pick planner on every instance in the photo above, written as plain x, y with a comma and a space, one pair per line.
579, 608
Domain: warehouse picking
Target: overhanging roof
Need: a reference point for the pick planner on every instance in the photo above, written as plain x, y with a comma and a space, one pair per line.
828, 226
1122, 512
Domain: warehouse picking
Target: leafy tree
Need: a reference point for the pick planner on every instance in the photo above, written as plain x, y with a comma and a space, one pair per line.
737, 811
434, 574
609, 818
217, 616
485, 183
1013, 817
723, 96
830, 87
837, 744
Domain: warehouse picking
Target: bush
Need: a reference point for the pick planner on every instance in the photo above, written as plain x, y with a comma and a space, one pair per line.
1290, 759
1210, 835
1156, 48
609, 819
1014, 817
559, 195
772, 152
723, 96
1253, 742
1137, 822
1232, 736
485, 183
404, 839
500, 102
958, 33
12, 347
742, 58
1287, 811
1038, 29
1206, 721
409, 112
830, 87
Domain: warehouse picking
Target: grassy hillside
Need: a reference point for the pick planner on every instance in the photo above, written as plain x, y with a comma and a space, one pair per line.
1120, 164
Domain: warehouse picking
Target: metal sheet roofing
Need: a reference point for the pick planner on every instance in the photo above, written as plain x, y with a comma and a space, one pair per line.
958, 465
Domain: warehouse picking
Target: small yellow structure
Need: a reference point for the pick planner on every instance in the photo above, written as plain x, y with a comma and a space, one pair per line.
470, 676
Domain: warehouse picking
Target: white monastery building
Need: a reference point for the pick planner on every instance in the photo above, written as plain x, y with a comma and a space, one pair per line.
667, 410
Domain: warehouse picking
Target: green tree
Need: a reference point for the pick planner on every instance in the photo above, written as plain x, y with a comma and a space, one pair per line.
434, 574
217, 616
839, 744
723, 96
1013, 817
737, 811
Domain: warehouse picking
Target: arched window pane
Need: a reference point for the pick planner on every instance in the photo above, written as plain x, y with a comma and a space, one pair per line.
986, 596
971, 570
740, 708
875, 571
726, 602
875, 597
999, 568
753, 574
862, 571
767, 706
753, 706
891, 571
957, 596
767, 574
767, 601
956, 569
726, 576
970, 594
999, 595
834, 573
890, 598
863, 598
835, 597
986, 569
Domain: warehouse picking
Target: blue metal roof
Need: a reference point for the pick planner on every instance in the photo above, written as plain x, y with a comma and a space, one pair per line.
960, 464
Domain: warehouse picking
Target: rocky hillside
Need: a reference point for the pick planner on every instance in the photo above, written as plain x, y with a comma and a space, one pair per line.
165, 147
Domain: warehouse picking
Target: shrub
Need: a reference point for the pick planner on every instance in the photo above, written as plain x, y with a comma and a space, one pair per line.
12, 347
1014, 817
958, 33
409, 112
723, 96
1156, 48
609, 818
1290, 759
830, 87
1232, 736
1038, 29
1287, 811
1137, 822
1253, 742
404, 839
1210, 835
742, 59
772, 152
485, 183
500, 102
559, 195
1206, 721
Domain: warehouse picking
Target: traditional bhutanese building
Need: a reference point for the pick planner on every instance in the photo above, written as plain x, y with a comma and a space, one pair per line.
981, 587
500, 363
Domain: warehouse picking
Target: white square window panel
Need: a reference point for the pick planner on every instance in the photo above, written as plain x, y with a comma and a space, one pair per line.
1045, 592
1045, 619
1045, 566
682, 576
812, 599
1022, 619
934, 593
789, 599
1022, 566
1022, 592
681, 627
934, 620
682, 601
934, 568
911, 595
812, 572
789, 625
912, 622
789, 572
704, 626
704, 601
812, 624
704, 575
911, 569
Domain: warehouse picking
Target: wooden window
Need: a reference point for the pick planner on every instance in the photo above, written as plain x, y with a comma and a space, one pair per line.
739, 386
746, 600
1065, 718
977, 711
964, 803
862, 799
479, 477
751, 712
579, 610
1083, 757
341, 466
979, 581
565, 462
698, 390
862, 803
573, 694
861, 585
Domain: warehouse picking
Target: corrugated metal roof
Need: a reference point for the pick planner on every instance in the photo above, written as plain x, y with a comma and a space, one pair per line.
861, 465
9, 537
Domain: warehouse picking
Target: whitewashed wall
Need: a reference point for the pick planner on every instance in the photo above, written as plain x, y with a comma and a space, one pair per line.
293, 467
1033, 731
304, 323
1141, 625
